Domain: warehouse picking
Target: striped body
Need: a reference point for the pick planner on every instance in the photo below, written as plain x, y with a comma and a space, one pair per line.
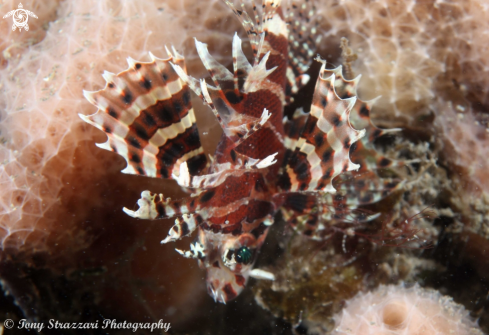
263, 163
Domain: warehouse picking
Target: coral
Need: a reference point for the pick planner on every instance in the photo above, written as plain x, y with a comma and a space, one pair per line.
408, 50
400, 310
464, 144
13, 43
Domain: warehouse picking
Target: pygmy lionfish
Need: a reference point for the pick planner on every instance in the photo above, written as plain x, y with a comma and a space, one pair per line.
264, 161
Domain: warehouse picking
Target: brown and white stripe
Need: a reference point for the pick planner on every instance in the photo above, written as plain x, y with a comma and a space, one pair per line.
147, 115
360, 119
320, 150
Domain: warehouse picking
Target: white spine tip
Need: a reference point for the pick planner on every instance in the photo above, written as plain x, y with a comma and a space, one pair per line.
129, 212
175, 52
201, 47
108, 76
168, 52
84, 118
89, 96
262, 274
166, 240
265, 116
270, 160
131, 62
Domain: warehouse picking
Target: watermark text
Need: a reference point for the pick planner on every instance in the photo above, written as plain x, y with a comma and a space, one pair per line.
105, 324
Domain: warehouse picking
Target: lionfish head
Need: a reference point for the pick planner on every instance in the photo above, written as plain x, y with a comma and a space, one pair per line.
229, 261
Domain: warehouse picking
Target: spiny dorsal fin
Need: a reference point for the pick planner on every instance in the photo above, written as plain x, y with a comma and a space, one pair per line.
262, 21
224, 99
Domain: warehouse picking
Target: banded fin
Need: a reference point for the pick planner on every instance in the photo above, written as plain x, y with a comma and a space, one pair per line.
184, 226
364, 188
318, 144
303, 39
363, 152
196, 251
352, 193
147, 115
233, 190
154, 206
316, 215
314, 227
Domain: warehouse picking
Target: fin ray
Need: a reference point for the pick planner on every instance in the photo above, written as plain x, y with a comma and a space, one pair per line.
147, 115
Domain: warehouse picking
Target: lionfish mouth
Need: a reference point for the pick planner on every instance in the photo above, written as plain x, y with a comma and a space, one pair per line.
223, 284
226, 291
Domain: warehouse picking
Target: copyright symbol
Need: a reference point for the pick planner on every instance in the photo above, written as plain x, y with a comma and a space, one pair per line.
9, 323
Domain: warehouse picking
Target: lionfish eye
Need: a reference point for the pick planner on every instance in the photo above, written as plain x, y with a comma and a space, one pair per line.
244, 255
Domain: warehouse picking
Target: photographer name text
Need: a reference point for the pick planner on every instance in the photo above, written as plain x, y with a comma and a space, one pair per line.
105, 324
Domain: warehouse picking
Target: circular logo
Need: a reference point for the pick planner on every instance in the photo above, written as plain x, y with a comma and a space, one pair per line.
20, 17
9, 323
